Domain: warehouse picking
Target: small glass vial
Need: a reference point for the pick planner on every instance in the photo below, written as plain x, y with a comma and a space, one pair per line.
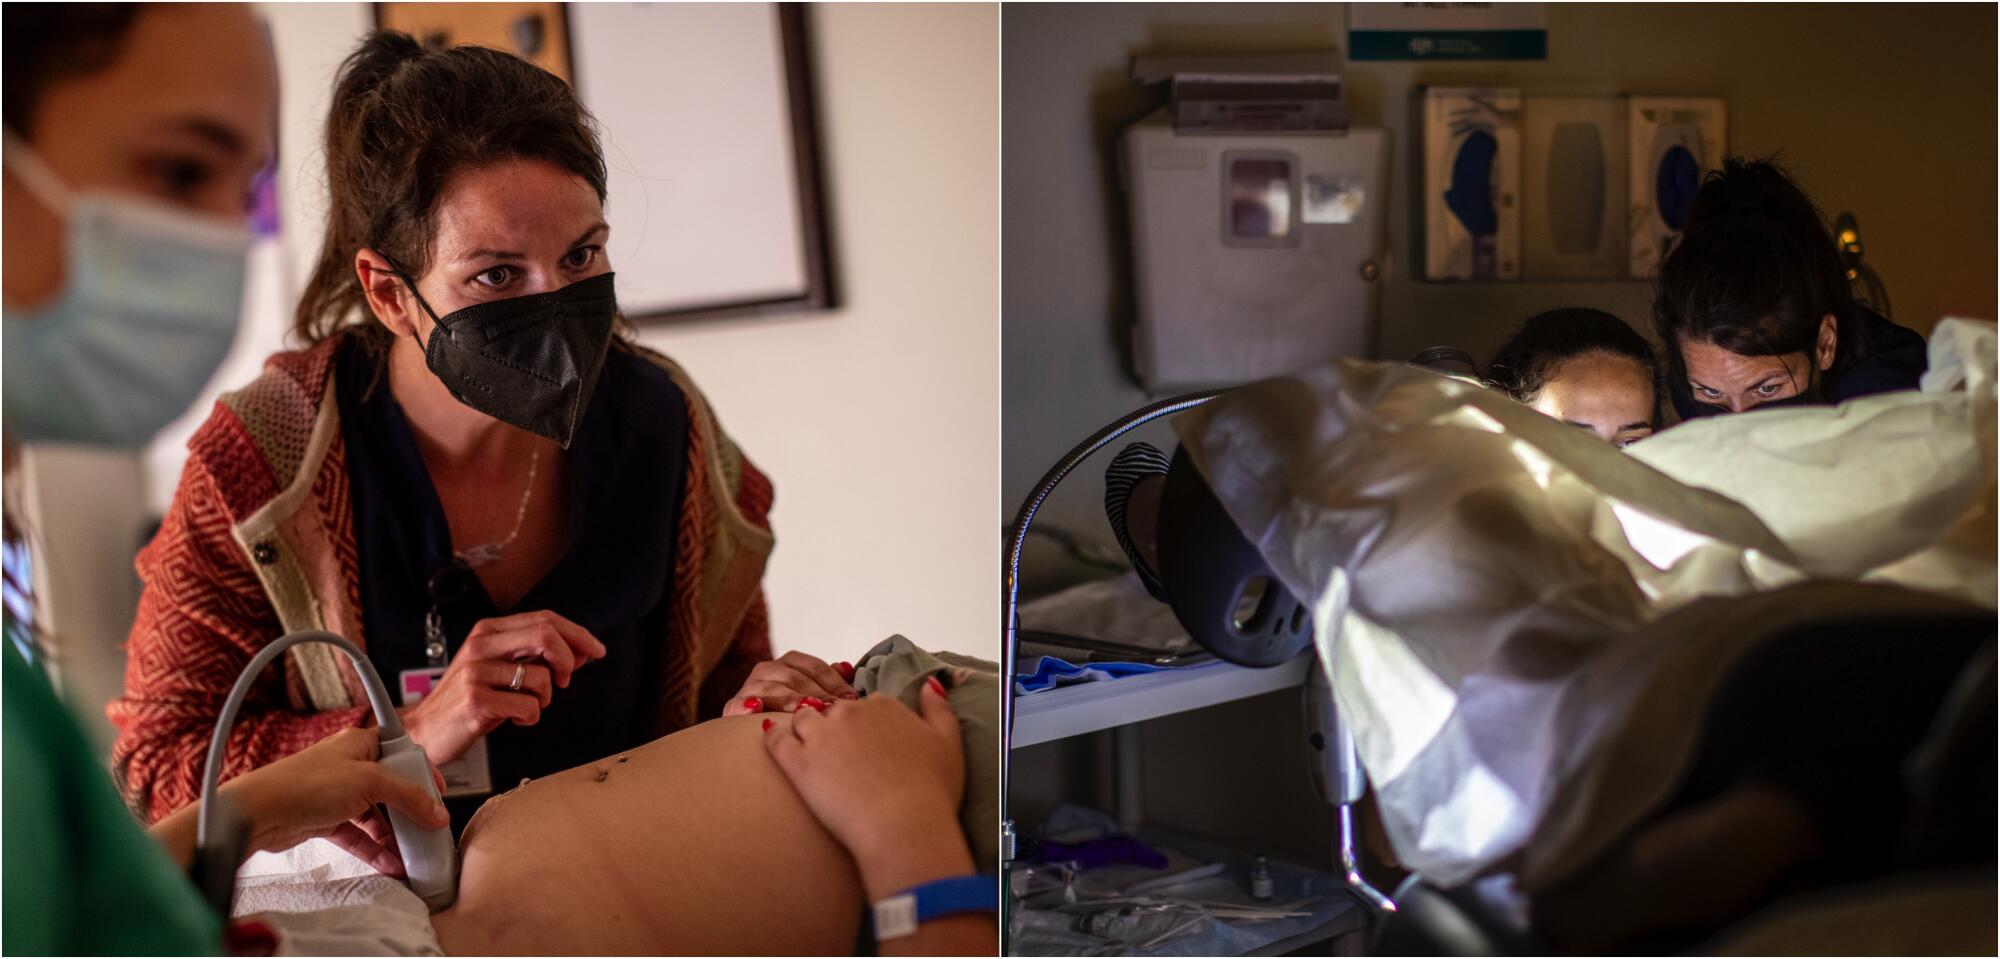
1261, 883
1019, 879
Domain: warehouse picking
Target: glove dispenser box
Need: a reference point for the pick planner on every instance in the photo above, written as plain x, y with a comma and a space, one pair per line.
1254, 253
1675, 141
1559, 188
1574, 177
1472, 183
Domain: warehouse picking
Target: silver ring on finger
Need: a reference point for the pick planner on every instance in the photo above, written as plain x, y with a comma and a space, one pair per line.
520, 670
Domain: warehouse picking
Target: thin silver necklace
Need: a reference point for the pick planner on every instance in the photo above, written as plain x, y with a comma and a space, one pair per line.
485, 553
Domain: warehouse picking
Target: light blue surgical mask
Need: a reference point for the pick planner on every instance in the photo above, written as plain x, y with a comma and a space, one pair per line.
146, 315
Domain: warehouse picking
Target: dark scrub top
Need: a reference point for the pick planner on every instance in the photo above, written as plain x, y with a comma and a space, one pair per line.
81, 878
1896, 359
628, 465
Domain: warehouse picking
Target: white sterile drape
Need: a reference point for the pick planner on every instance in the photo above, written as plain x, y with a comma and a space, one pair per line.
1505, 602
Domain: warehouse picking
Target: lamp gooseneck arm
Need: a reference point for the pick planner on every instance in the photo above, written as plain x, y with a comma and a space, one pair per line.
1010, 587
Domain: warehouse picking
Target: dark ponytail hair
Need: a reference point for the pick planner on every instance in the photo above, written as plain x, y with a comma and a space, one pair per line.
1754, 273
404, 119
1523, 364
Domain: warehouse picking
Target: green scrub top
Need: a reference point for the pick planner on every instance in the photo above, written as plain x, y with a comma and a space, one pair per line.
81, 877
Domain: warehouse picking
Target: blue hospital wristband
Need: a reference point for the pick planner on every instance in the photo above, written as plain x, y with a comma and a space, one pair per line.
901, 914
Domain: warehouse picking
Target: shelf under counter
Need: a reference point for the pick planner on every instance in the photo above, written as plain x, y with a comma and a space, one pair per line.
1067, 711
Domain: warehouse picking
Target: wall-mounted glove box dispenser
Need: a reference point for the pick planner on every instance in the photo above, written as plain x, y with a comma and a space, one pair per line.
1559, 188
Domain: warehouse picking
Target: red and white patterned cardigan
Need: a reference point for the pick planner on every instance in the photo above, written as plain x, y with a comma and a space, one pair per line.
260, 542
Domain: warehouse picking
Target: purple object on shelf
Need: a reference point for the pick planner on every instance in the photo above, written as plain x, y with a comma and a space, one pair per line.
1111, 850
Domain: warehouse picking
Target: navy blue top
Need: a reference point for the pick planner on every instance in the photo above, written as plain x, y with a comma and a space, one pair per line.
627, 471
1897, 357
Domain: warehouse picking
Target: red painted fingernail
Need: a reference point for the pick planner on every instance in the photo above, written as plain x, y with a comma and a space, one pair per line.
754, 704
767, 725
932, 682
846, 671
813, 702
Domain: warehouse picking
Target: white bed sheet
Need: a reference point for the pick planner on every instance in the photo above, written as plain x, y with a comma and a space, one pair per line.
322, 901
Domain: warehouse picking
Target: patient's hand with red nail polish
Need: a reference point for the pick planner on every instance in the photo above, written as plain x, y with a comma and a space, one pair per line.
872, 771
780, 685
887, 782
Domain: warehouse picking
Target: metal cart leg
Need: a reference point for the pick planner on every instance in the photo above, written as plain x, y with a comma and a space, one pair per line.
1350, 865
1341, 780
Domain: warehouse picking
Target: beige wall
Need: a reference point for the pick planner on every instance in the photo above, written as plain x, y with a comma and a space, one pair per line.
876, 420
1884, 109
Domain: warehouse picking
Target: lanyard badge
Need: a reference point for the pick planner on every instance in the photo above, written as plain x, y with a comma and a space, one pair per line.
472, 773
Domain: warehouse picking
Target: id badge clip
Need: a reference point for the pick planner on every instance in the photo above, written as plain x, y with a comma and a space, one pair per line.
470, 774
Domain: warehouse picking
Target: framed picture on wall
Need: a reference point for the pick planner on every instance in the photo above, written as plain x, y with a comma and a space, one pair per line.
536, 32
706, 114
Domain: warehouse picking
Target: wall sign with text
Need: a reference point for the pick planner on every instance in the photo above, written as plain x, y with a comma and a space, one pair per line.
1447, 31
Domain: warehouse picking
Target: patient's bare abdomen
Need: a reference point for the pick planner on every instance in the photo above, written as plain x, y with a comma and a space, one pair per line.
691, 844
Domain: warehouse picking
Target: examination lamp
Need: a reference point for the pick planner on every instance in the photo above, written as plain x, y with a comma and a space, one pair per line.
1206, 565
